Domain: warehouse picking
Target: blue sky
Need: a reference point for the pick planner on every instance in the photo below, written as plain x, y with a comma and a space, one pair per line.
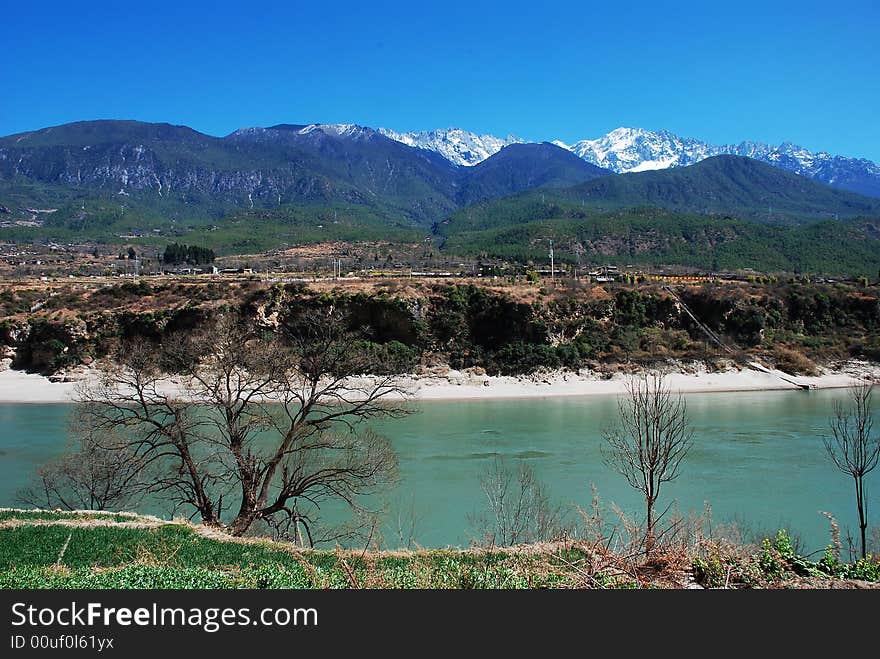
807, 72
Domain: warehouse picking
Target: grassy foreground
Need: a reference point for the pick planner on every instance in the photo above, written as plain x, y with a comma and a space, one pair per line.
55, 550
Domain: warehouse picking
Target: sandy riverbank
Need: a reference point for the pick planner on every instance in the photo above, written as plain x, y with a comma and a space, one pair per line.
462, 386
19, 387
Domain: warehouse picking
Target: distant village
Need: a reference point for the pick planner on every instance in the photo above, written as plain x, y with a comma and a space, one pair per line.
337, 261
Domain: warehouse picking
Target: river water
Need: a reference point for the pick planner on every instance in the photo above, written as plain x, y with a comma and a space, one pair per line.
757, 460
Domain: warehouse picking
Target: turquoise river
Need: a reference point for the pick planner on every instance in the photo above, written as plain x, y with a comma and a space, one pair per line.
757, 460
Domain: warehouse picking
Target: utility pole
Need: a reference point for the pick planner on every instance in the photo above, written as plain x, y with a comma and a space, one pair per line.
552, 265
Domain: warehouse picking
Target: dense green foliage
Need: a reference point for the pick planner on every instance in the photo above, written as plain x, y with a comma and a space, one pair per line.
756, 217
47, 347
253, 230
732, 185
518, 229
777, 560
190, 254
142, 218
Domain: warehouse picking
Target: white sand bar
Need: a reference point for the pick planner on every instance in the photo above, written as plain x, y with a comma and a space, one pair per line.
19, 387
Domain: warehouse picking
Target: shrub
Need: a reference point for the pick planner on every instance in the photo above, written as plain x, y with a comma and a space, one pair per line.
392, 357
793, 362
521, 357
48, 347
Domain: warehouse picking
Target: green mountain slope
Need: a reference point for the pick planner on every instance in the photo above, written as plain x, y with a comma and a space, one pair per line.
708, 216
524, 166
163, 166
655, 237
731, 185
159, 174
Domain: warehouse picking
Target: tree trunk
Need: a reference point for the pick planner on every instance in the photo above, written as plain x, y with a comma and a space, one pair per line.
242, 522
649, 535
863, 523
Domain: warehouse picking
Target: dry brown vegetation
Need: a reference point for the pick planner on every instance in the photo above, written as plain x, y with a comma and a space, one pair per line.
793, 362
504, 325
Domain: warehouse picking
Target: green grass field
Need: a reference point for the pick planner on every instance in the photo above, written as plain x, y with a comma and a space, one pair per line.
99, 552
45, 550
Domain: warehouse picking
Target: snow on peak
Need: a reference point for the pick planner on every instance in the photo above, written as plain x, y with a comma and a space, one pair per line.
247, 132
456, 145
623, 149
637, 150
342, 130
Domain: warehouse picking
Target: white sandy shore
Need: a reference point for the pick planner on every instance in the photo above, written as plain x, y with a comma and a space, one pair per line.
18, 387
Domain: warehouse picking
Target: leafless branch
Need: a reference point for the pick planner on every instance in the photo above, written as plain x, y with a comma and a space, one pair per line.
853, 447
649, 441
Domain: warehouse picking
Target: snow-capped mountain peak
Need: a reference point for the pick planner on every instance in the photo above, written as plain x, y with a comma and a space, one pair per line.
636, 150
456, 145
333, 130
622, 150
341, 130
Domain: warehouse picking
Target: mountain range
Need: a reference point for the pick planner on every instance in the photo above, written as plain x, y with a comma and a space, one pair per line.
707, 215
265, 187
456, 145
636, 150
167, 166
720, 186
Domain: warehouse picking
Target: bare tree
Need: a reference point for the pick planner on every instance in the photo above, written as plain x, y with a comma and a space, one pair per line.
853, 448
649, 441
91, 475
407, 526
519, 509
260, 426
